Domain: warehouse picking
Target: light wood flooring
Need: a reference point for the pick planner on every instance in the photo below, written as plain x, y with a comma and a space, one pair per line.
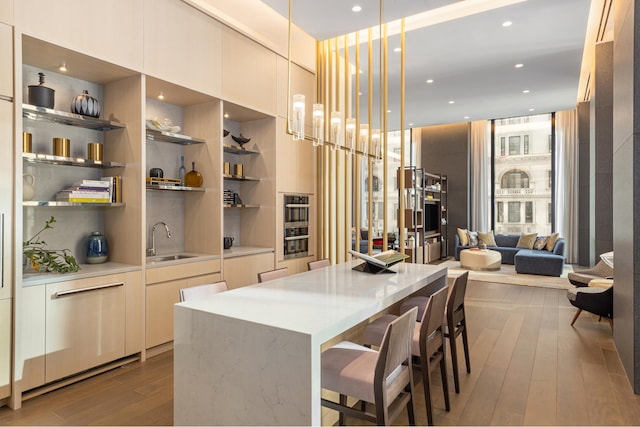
528, 367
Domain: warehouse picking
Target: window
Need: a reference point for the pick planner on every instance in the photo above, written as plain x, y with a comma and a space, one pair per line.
500, 212
549, 213
550, 145
503, 149
549, 179
528, 212
526, 144
514, 211
515, 179
514, 145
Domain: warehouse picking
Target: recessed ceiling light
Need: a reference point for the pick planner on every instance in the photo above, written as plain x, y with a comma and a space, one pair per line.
452, 102
430, 81
397, 49
388, 111
466, 117
356, 8
161, 95
532, 109
226, 115
519, 65
63, 67
410, 124
507, 23
526, 91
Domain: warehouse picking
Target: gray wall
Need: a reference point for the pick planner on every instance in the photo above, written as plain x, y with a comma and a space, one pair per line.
445, 149
586, 202
626, 186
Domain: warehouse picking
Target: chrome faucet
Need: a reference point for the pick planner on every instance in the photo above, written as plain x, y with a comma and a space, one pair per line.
152, 250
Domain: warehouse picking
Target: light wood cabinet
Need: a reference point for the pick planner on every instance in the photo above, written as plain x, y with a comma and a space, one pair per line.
5, 348
6, 62
6, 11
243, 270
87, 27
182, 45
30, 368
6, 189
162, 292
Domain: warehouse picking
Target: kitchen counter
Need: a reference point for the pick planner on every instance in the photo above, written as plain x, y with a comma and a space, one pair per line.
86, 271
252, 355
236, 251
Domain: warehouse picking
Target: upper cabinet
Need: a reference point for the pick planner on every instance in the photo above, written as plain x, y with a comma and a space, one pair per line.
182, 45
87, 27
6, 11
248, 73
6, 63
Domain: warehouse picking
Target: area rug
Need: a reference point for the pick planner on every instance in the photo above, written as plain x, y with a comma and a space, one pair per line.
507, 274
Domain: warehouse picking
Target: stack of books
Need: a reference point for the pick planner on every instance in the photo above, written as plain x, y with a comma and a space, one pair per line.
104, 190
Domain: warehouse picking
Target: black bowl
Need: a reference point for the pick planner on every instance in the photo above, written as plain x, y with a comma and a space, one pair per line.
225, 132
241, 140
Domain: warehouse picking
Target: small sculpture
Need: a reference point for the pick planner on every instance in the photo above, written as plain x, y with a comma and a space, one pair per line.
241, 140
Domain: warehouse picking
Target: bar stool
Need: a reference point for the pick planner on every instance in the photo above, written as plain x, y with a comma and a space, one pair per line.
383, 378
456, 321
273, 274
194, 292
321, 263
428, 344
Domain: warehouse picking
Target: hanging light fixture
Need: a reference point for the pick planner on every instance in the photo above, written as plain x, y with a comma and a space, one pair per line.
318, 124
298, 117
375, 143
350, 137
364, 138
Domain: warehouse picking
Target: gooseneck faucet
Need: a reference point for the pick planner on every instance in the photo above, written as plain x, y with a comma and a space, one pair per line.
152, 250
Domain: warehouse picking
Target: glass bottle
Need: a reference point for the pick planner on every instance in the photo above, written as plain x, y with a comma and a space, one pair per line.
182, 171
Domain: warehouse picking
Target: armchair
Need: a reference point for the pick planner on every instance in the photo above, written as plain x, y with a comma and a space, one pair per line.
595, 300
582, 277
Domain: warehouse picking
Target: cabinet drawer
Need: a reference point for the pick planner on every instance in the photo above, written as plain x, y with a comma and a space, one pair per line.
5, 347
85, 324
180, 271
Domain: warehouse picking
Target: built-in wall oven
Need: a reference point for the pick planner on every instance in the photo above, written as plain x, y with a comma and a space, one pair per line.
296, 225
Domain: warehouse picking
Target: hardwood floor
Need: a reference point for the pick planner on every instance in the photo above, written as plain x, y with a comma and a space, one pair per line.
528, 367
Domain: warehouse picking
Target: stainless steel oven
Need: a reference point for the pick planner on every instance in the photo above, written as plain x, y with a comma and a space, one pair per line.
296, 225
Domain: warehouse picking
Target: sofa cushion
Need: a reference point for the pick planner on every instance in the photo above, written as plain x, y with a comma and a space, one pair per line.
473, 238
552, 241
507, 240
531, 261
487, 238
526, 241
541, 243
463, 236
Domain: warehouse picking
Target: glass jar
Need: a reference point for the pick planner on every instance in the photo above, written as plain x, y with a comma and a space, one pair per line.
97, 251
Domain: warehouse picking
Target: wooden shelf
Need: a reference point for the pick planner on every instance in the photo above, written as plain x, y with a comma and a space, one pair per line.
33, 112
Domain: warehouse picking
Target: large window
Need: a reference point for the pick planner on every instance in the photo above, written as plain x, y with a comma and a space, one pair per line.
523, 172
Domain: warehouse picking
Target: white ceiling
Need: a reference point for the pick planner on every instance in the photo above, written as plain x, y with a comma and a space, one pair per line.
470, 59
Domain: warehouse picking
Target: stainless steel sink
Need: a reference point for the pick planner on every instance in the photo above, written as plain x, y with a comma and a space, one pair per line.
156, 259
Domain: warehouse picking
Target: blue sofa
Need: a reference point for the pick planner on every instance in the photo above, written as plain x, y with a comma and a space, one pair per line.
529, 261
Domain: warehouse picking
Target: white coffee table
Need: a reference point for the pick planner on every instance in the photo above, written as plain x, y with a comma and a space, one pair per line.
482, 259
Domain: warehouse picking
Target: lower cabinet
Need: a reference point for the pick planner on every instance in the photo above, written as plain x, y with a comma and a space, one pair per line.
163, 291
243, 270
69, 327
5, 348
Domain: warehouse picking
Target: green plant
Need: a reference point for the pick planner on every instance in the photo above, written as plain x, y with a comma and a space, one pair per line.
48, 260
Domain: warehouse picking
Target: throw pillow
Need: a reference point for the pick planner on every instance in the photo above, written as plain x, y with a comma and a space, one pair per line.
487, 238
552, 241
464, 236
473, 238
526, 241
541, 242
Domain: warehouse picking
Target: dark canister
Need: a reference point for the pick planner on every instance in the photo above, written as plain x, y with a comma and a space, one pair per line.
40, 95
97, 251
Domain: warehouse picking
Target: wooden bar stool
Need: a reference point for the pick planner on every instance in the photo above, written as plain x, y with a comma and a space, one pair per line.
273, 274
194, 292
383, 378
321, 263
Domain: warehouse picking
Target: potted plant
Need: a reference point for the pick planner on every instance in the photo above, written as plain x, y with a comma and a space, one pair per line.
43, 259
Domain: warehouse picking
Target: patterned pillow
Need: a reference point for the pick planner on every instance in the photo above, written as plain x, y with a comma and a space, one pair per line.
541, 242
473, 238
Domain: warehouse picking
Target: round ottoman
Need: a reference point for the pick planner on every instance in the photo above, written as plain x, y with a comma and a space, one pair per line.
483, 259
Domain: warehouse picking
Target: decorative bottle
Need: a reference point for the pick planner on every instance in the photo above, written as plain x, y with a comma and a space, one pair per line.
97, 251
182, 171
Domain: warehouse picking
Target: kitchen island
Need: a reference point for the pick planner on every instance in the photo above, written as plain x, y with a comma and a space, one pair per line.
251, 356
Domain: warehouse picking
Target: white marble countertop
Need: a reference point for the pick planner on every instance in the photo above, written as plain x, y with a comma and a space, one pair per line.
193, 257
236, 251
86, 270
321, 303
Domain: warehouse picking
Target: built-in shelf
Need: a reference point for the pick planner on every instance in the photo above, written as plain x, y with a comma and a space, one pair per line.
226, 205
237, 150
169, 187
55, 203
69, 161
174, 138
239, 178
33, 112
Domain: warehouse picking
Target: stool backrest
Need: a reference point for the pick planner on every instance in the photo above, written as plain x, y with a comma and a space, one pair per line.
455, 305
321, 263
395, 349
431, 335
194, 292
273, 274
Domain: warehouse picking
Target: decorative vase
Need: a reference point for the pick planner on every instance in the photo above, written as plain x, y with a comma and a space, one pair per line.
97, 251
40, 95
28, 186
193, 178
85, 105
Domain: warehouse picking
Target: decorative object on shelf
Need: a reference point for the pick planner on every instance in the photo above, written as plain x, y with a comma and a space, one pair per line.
227, 168
165, 126
241, 140
94, 151
156, 173
225, 133
227, 197
42, 259
85, 105
97, 249
28, 190
238, 170
236, 199
61, 147
41, 95
26, 142
193, 178
227, 242
182, 170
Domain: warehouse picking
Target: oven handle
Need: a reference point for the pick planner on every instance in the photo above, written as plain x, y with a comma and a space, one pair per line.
306, 236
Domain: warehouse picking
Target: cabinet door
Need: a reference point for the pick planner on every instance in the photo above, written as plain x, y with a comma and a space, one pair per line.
6, 61
243, 270
6, 11
159, 311
30, 367
85, 325
6, 189
5, 348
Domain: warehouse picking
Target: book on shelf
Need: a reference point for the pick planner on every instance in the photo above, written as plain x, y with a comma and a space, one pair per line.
96, 183
65, 194
115, 187
84, 200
